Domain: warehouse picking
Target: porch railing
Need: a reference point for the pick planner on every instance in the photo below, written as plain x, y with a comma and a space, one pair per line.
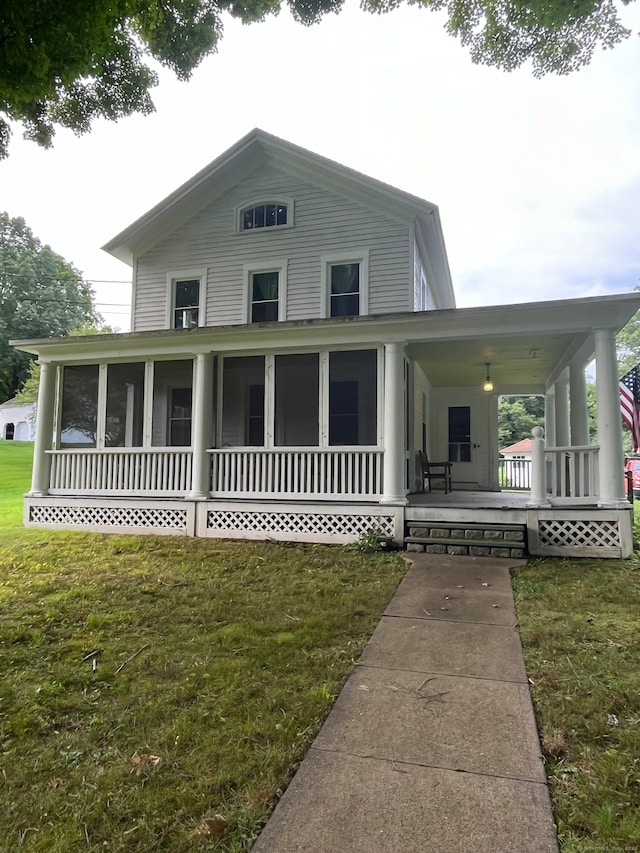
515, 474
122, 471
572, 474
345, 474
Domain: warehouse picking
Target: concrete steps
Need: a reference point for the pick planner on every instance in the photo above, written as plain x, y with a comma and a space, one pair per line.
474, 539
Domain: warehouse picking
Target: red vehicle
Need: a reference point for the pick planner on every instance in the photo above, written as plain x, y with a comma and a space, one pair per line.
632, 467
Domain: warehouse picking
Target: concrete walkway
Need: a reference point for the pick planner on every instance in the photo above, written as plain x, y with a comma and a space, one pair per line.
432, 745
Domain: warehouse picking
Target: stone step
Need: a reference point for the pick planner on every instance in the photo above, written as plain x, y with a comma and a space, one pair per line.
461, 547
478, 540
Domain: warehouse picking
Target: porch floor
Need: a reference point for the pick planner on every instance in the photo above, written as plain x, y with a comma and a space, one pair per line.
470, 500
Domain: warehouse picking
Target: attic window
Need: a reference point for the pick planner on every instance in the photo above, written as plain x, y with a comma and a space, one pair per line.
269, 215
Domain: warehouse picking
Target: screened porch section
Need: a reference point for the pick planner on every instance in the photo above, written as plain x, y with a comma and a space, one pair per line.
300, 425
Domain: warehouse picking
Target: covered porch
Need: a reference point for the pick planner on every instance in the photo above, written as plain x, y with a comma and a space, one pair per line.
247, 430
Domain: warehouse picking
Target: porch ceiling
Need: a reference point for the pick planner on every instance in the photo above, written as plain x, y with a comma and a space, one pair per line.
520, 362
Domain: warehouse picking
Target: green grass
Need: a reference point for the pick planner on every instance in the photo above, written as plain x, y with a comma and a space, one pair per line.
231, 656
15, 479
216, 663
580, 628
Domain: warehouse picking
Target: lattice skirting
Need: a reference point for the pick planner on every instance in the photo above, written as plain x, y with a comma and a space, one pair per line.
297, 524
586, 533
108, 516
228, 520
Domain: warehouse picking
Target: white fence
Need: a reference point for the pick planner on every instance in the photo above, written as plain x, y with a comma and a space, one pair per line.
124, 471
572, 474
515, 474
346, 474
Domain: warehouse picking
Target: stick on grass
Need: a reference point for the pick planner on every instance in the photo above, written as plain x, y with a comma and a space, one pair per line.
129, 659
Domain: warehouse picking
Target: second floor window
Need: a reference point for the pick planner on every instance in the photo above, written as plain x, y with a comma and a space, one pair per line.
264, 296
186, 304
345, 290
267, 215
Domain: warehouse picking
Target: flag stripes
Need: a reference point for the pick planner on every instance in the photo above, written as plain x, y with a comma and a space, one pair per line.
630, 404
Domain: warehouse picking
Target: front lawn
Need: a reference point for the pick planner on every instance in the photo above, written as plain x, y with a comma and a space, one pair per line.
580, 628
216, 662
157, 693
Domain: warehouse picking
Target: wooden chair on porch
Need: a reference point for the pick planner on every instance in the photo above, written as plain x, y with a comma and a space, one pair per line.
430, 471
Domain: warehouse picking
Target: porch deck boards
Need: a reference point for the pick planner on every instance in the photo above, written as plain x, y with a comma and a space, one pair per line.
476, 507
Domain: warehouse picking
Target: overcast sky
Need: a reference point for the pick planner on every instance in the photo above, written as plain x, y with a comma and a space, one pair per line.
538, 181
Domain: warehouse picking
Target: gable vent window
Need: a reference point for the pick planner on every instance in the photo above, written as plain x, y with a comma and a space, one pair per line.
267, 215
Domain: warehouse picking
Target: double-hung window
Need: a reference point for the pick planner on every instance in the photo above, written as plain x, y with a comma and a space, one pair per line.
264, 296
265, 292
186, 300
345, 284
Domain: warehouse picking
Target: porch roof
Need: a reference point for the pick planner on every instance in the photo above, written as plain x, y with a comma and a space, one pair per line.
528, 345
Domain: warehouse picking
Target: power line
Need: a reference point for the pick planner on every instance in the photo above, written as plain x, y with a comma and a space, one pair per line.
41, 299
59, 281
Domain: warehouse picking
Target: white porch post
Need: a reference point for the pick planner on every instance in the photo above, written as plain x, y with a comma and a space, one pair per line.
44, 430
538, 470
610, 458
562, 412
393, 467
201, 425
550, 418
579, 412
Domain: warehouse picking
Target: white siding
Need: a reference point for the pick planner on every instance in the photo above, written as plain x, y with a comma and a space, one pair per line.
422, 294
324, 223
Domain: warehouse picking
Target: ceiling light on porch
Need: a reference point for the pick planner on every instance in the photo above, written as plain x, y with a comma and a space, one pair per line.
487, 385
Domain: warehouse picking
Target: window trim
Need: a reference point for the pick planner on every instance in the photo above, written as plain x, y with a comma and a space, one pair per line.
256, 202
248, 271
360, 257
186, 275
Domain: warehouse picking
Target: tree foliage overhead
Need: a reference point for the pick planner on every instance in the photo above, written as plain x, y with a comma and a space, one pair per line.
41, 296
68, 63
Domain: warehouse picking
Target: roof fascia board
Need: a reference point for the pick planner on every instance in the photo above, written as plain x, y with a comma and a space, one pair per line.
574, 317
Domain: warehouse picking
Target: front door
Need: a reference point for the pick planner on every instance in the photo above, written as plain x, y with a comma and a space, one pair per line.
463, 437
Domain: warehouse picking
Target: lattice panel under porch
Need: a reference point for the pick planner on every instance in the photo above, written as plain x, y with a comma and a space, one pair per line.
574, 533
109, 517
340, 527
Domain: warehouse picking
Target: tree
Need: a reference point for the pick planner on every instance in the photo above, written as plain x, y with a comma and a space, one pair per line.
517, 416
41, 296
66, 64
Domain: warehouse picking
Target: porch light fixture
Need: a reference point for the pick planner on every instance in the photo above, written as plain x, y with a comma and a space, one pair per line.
487, 385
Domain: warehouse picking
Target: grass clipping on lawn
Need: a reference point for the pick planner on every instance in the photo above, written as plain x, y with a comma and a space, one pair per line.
580, 628
157, 693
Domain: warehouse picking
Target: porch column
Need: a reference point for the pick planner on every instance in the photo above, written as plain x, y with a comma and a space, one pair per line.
201, 426
562, 412
610, 457
550, 418
579, 412
393, 467
44, 430
538, 495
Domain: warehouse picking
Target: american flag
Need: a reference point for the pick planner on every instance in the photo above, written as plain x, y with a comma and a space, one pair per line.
630, 404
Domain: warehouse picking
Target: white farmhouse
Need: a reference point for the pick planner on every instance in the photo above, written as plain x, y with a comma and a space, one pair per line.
295, 343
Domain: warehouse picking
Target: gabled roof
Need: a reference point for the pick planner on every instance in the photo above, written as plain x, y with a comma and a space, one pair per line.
258, 147
525, 445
